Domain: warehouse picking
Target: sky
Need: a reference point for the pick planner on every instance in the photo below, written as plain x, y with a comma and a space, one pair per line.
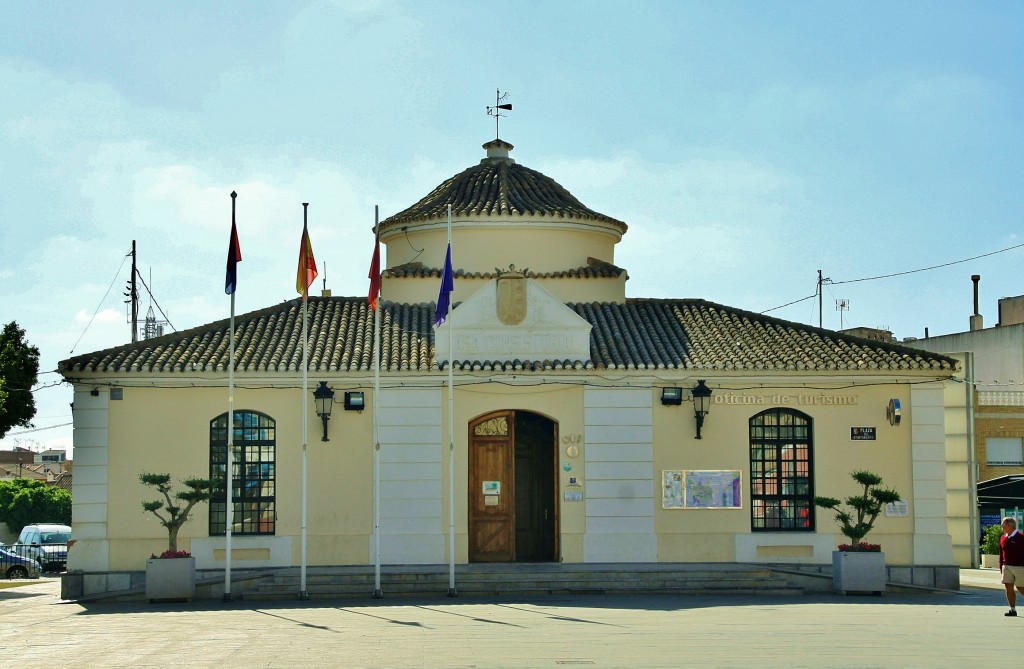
747, 145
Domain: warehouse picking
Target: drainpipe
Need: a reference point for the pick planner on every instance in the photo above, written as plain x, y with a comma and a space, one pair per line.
974, 515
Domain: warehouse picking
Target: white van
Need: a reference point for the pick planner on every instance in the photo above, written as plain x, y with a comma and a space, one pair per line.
46, 543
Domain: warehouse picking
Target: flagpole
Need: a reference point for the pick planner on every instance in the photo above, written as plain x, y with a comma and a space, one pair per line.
377, 593
452, 592
229, 507
303, 594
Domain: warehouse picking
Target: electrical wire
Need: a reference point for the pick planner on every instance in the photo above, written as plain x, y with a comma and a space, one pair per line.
782, 306
37, 429
153, 297
889, 276
125, 259
925, 269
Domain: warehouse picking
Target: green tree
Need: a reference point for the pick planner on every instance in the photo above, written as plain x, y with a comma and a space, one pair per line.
24, 501
864, 508
174, 514
19, 370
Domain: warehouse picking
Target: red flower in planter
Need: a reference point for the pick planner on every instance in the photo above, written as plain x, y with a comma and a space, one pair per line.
861, 547
171, 554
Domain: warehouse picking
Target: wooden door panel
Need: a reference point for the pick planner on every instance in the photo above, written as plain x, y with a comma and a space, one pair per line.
491, 509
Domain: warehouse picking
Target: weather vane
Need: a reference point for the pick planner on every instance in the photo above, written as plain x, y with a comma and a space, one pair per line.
495, 110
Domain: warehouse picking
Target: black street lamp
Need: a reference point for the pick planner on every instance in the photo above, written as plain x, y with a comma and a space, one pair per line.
324, 397
701, 403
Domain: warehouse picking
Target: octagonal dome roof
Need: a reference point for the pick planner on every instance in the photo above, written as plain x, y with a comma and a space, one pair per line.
499, 187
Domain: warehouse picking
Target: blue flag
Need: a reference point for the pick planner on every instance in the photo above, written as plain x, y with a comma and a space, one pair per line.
444, 297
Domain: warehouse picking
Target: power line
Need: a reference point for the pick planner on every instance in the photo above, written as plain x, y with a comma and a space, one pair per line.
802, 299
32, 390
153, 297
100, 305
889, 276
38, 429
925, 269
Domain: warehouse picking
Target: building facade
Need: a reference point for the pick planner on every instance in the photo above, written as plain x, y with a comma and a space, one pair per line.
570, 431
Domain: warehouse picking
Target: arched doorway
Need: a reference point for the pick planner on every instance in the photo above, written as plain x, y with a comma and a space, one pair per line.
513, 488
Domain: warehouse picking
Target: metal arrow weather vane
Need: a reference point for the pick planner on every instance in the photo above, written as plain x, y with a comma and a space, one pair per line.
495, 109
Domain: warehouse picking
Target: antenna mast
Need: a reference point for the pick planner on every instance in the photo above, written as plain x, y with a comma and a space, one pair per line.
842, 305
495, 109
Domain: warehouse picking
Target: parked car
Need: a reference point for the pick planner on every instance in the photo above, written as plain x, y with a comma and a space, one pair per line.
46, 543
16, 566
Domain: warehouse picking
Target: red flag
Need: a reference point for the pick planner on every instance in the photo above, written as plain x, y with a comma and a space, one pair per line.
375, 274
307, 265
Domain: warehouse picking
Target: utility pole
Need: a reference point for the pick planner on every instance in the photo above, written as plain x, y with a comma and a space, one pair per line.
820, 282
133, 299
819, 298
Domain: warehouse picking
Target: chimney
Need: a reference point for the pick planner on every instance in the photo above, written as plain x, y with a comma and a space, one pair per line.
976, 320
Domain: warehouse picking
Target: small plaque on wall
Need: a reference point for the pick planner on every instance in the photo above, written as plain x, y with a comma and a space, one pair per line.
862, 433
573, 496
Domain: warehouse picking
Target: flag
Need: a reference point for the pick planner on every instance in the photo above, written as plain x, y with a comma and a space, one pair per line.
375, 274
307, 265
444, 297
234, 257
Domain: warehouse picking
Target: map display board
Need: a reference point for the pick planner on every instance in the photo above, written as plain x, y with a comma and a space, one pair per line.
701, 489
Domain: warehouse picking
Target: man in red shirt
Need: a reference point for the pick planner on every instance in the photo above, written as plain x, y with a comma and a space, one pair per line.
1011, 562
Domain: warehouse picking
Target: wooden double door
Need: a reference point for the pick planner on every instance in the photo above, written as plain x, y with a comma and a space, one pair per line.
513, 488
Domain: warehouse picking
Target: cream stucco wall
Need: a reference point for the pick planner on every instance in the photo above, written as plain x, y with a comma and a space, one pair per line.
410, 290
539, 243
172, 427
166, 430
717, 534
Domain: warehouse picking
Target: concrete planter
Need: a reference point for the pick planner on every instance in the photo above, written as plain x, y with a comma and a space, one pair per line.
170, 578
989, 561
858, 572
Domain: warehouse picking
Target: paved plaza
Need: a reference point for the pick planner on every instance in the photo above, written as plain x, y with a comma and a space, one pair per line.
964, 629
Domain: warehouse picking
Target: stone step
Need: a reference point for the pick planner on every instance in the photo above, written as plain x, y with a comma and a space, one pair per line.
527, 580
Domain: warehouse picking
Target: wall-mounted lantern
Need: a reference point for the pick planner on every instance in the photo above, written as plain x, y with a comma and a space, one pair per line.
324, 398
701, 403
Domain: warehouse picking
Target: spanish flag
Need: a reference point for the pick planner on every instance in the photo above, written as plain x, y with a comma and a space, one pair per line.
307, 265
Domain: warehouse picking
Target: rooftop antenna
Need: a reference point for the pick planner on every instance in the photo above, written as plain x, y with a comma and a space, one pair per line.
495, 109
842, 305
153, 327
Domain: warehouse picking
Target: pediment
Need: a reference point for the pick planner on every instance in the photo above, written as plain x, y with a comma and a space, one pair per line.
513, 318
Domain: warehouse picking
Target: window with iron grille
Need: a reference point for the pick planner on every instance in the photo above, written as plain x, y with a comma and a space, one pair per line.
781, 487
253, 478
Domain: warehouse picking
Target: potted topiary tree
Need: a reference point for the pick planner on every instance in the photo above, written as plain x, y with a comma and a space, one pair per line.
171, 575
859, 566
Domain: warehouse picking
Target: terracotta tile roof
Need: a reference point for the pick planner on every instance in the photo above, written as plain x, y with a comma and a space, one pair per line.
594, 269
640, 334
499, 187
63, 481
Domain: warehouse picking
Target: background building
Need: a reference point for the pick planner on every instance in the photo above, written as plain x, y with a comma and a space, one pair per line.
995, 358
